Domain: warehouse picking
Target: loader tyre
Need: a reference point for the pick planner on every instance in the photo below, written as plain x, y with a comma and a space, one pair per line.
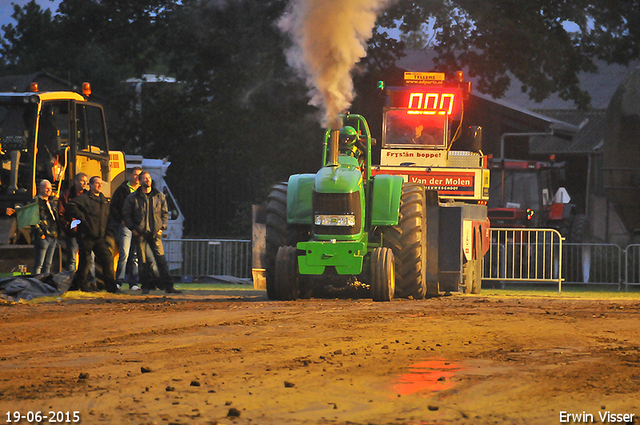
407, 240
579, 230
382, 274
278, 232
287, 283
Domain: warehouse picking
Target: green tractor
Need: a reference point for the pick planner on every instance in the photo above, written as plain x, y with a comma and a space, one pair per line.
343, 222
411, 227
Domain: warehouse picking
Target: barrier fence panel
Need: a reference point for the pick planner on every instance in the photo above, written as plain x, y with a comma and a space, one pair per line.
592, 263
207, 257
632, 266
524, 255
515, 255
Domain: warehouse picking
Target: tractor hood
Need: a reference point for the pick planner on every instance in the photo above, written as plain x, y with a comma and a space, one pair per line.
344, 178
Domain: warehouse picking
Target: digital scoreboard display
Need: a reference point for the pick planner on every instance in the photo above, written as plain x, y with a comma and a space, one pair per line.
426, 100
421, 112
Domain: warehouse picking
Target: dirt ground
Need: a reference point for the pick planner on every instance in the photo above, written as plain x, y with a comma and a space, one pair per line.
237, 358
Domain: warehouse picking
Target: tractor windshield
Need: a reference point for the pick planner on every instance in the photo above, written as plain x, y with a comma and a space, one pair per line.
34, 141
17, 128
521, 190
404, 128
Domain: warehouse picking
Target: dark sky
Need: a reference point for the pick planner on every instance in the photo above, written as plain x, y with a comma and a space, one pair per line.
6, 8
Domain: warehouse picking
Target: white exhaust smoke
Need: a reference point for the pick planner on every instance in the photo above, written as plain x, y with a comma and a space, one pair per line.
329, 37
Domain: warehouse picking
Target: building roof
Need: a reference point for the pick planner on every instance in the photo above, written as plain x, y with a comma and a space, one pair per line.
588, 139
548, 122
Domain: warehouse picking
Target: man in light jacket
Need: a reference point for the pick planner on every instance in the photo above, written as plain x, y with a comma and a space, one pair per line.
145, 213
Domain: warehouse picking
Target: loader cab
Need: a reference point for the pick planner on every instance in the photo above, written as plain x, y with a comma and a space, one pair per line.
49, 135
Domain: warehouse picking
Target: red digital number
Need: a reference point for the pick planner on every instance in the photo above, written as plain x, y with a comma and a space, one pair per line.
431, 103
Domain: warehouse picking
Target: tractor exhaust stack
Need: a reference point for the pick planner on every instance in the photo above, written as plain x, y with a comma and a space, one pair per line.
333, 148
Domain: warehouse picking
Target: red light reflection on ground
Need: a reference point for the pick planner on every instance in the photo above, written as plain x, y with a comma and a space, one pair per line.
432, 375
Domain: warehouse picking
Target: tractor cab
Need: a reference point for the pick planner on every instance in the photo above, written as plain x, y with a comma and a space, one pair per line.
527, 194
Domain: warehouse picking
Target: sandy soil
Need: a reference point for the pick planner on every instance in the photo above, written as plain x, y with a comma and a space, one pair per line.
237, 358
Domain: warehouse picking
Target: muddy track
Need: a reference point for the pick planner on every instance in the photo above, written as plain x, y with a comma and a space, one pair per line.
200, 357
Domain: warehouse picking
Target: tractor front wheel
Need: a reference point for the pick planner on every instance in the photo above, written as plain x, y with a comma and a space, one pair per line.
287, 283
383, 280
408, 242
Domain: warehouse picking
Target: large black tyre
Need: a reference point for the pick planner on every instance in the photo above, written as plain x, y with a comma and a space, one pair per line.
408, 242
579, 230
382, 274
287, 284
278, 232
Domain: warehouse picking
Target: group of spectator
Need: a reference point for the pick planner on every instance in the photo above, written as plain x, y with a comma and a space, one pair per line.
94, 228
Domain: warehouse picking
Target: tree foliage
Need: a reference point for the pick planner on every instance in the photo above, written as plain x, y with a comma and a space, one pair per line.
237, 119
500, 39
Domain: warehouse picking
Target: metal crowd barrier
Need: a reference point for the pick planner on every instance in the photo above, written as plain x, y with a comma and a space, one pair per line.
541, 255
632, 266
593, 263
208, 257
515, 255
524, 255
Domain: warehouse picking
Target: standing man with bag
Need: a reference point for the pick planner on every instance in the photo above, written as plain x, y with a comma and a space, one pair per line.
146, 214
92, 209
80, 182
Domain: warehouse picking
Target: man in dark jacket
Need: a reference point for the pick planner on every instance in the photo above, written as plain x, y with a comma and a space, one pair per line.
45, 234
146, 214
123, 233
92, 209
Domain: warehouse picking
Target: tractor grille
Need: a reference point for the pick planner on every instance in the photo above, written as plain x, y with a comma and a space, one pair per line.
337, 203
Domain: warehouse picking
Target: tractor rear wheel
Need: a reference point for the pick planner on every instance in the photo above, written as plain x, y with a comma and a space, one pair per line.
408, 242
287, 284
382, 274
278, 232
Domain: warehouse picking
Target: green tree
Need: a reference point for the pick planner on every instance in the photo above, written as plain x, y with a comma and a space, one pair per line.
249, 123
28, 44
527, 39
237, 120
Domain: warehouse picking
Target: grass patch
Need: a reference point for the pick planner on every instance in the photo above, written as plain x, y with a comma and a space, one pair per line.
592, 292
212, 287
185, 287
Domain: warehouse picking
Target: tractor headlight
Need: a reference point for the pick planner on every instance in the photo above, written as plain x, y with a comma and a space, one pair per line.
346, 220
